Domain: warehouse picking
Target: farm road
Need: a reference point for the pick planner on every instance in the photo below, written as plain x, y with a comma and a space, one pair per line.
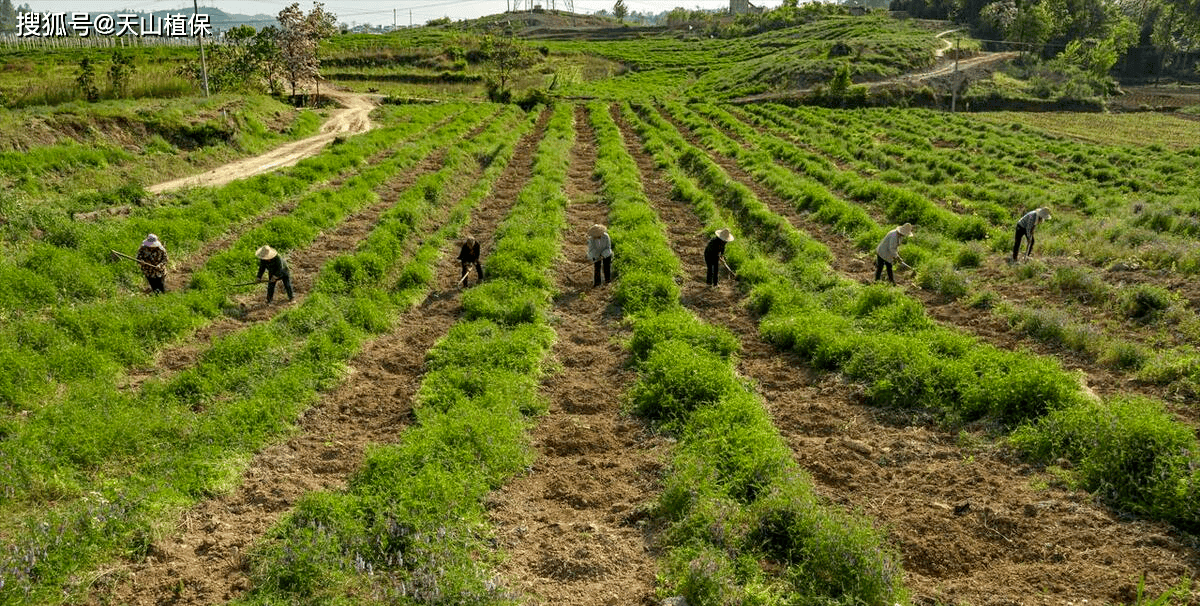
570, 527
206, 554
353, 118
973, 524
940, 69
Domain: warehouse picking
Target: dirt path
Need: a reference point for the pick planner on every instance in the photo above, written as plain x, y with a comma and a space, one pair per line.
940, 69
972, 524
572, 527
203, 563
352, 119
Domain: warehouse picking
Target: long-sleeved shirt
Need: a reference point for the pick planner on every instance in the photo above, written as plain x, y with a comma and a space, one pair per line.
1029, 221
889, 247
599, 248
156, 256
469, 253
714, 249
275, 267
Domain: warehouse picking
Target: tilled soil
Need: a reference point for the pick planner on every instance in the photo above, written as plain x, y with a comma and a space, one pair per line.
203, 562
572, 527
972, 524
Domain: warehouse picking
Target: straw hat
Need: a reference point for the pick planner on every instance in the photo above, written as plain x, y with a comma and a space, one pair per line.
597, 230
905, 230
469, 240
153, 241
725, 235
266, 253
1043, 214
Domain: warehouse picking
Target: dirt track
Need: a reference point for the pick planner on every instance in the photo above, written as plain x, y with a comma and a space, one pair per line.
352, 119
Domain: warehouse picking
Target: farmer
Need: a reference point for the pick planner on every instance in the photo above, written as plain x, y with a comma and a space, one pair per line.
467, 255
1025, 228
714, 253
600, 253
152, 258
276, 268
888, 251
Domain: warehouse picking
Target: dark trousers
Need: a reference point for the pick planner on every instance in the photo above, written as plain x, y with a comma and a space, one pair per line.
1017, 242
604, 264
478, 272
713, 270
879, 265
287, 286
157, 284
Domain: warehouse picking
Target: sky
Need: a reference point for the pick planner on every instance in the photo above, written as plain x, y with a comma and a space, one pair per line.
376, 12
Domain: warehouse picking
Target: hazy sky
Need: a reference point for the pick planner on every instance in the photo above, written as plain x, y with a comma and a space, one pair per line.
373, 11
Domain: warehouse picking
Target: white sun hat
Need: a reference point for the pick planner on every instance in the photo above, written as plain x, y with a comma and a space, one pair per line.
266, 253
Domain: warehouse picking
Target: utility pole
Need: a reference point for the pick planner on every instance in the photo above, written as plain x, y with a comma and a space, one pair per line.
393, 19
954, 78
200, 39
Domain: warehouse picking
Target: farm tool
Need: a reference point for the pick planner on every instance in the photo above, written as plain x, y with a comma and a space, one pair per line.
731, 272
125, 256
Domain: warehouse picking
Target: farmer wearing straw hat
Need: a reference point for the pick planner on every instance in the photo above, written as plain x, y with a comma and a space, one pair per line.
888, 251
1025, 228
153, 261
714, 253
468, 254
276, 268
600, 253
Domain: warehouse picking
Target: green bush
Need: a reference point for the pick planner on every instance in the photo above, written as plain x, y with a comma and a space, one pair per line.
678, 378
681, 325
1144, 302
1129, 450
504, 300
969, 256
939, 276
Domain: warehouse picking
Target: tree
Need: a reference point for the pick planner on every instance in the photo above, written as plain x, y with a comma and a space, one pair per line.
299, 39
505, 56
8, 17
620, 10
119, 72
86, 79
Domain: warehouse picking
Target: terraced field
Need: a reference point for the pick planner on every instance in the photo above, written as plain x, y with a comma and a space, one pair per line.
984, 433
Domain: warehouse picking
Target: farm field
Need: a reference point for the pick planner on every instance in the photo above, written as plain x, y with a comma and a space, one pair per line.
984, 432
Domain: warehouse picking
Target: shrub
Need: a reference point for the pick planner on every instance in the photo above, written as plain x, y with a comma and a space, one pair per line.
681, 325
939, 276
970, 255
505, 301
1080, 282
1144, 302
678, 378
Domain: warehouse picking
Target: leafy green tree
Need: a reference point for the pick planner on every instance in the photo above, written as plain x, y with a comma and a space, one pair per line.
8, 17
620, 10
85, 77
504, 57
119, 72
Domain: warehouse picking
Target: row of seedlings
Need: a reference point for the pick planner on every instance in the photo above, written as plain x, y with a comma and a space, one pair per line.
742, 521
411, 527
113, 463
939, 259
1128, 450
92, 340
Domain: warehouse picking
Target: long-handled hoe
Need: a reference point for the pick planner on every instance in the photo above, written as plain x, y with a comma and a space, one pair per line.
136, 260
730, 269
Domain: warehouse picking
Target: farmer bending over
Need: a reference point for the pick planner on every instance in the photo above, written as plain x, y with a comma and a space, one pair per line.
276, 268
600, 253
1025, 228
888, 251
714, 254
467, 255
152, 258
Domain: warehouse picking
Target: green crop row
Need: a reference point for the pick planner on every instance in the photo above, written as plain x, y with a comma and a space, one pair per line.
743, 524
93, 341
411, 526
183, 438
883, 339
70, 262
1143, 304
